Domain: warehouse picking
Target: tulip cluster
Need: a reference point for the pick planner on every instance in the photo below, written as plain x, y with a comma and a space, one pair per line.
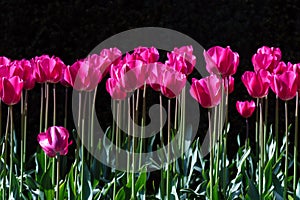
142, 68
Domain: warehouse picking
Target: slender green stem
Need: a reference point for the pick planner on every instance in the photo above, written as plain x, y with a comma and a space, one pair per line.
46, 119
296, 146
133, 149
161, 121
54, 123
261, 138
141, 140
276, 128
117, 146
82, 158
11, 150
257, 128
128, 130
265, 127
286, 153
66, 108
169, 150
42, 108
22, 144
247, 133
5, 155
211, 160
57, 176
92, 122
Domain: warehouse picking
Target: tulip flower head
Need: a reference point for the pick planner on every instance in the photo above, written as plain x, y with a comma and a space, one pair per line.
54, 141
207, 91
11, 90
266, 58
284, 85
221, 61
245, 108
257, 83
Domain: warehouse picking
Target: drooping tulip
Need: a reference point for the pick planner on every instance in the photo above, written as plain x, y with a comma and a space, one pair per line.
172, 82
257, 83
284, 85
54, 141
266, 58
207, 91
11, 89
245, 108
221, 61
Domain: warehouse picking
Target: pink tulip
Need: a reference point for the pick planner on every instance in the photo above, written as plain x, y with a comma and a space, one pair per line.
47, 69
284, 85
182, 59
257, 83
114, 89
4, 60
266, 58
172, 82
245, 108
221, 61
207, 91
296, 68
230, 80
155, 75
24, 70
145, 54
54, 141
282, 67
109, 57
11, 90
82, 75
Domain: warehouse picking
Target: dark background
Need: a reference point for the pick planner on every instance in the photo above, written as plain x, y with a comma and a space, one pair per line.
71, 29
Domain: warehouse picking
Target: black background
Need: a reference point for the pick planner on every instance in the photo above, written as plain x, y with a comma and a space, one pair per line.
71, 29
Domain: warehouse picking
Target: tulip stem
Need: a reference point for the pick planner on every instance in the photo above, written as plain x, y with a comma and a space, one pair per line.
11, 149
261, 138
57, 176
66, 108
5, 156
286, 153
128, 144
211, 160
276, 128
133, 149
265, 127
22, 144
257, 128
54, 122
247, 134
296, 146
46, 117
42, 108
169, 150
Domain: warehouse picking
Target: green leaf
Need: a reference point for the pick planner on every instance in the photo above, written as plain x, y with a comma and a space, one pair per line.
62, 190
141, 182
123, 194
46, 180
49, 194
252, 190
71, 184
87, 191
268, 171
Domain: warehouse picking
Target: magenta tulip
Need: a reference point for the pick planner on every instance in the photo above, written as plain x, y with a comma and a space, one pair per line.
155, 75
182, 59
282, 67
284, 85
47, 69
24, 70
257, 83
207, 91
114, 89
145, 54
266, 58
172, 82
4, 60
230, 80
221, 61
109, 57
245, 108
11, 90
296, 68
54, 141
